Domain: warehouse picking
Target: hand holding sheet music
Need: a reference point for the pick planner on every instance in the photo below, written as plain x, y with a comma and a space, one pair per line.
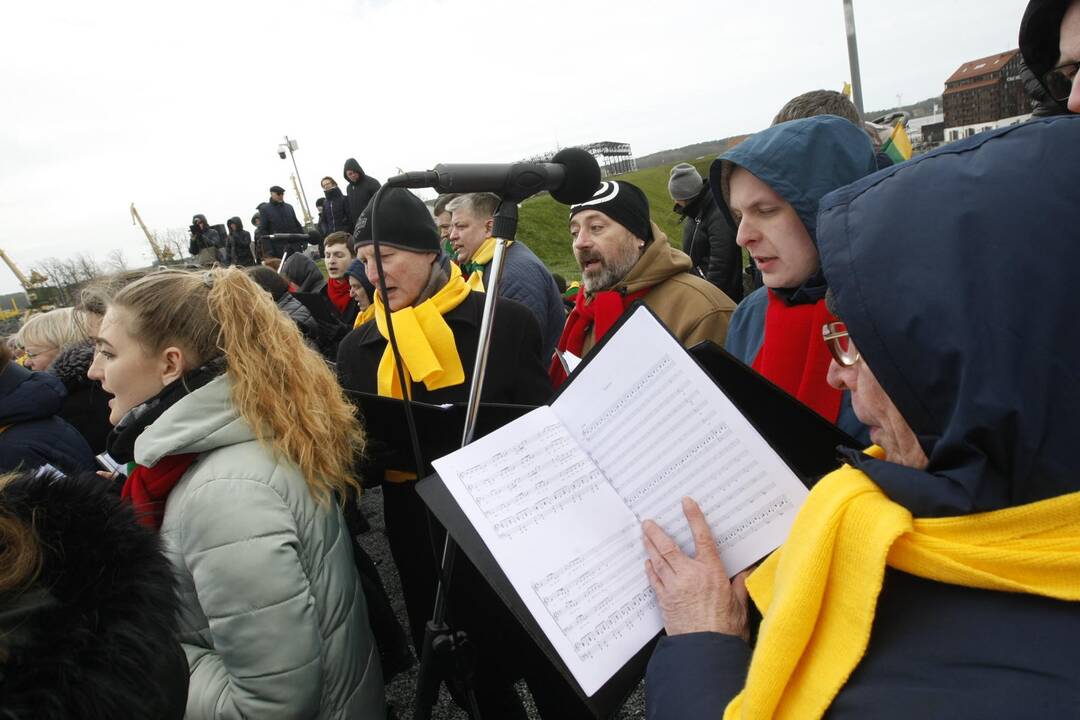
559, 495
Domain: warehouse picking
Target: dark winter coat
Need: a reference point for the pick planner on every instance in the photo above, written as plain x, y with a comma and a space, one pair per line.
335, 213
980, 365
526, 279
279, 217
359, 193
257, 233
348, 315
94, 636
205, 244
87, 404
515, 374
238, 244
302, 271
709, 240
34, 435
515, 371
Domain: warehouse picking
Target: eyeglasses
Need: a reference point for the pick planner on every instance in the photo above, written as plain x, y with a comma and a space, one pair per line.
835, 335
1059, 81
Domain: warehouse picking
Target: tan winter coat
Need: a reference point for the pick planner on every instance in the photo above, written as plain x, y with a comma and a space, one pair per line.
692, 308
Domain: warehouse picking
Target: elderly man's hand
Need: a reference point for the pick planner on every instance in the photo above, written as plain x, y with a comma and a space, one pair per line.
695, 594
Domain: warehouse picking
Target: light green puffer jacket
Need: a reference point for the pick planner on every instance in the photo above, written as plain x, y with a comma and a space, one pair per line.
273, 620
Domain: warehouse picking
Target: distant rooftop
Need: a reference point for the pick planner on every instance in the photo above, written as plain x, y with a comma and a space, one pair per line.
982, 66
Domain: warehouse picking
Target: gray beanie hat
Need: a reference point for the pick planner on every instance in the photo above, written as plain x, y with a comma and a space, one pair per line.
685, 182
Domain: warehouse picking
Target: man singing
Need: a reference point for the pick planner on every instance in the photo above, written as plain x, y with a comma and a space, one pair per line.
625, 257
436, 317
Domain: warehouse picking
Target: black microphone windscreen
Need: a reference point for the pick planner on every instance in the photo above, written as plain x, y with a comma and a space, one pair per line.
582, 176
420, 179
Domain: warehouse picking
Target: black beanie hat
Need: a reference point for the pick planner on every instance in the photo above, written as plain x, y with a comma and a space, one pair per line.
277, 189
403, 220
622, 202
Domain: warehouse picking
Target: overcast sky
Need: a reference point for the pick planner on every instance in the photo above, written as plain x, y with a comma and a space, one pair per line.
179, 107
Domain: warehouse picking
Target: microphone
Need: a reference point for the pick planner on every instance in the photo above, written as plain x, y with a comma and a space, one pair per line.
571, 177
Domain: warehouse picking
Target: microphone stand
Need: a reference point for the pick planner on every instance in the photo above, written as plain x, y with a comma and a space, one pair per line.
442, 645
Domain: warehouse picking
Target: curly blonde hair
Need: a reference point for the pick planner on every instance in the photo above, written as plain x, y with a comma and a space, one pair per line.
282, 388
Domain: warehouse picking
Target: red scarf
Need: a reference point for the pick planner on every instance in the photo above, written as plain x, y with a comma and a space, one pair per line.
795, 357
338, 292
600, 312
148, 487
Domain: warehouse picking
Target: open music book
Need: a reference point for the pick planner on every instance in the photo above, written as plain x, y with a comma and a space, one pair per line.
559, 495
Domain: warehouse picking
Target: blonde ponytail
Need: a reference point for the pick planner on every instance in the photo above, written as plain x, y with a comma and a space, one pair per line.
280, 386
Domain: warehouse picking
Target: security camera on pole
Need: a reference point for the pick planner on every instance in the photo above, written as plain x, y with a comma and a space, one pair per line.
287, 149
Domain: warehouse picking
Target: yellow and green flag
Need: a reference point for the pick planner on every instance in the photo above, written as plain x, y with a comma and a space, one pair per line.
898, 146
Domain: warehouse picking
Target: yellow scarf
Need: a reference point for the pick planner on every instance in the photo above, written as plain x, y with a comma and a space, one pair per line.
364, 315
483, 256
819, 592
428, 351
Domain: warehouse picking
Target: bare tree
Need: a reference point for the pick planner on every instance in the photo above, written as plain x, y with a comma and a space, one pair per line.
117, 262
85, 268
68, 274
175, 240
59, 276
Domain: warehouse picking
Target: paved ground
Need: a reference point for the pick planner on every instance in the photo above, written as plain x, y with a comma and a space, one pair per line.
399, 693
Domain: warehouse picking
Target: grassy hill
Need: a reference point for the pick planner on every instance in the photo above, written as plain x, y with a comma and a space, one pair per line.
544, 223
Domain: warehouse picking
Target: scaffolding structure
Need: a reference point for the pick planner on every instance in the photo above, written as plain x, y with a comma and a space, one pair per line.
614, 158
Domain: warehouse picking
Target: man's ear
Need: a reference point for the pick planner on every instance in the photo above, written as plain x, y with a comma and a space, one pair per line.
490, 223
172, 364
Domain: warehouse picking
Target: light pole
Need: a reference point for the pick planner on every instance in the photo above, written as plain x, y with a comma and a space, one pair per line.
288, 147
853, 56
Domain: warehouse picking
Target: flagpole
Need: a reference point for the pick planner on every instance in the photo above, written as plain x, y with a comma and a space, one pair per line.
853, 57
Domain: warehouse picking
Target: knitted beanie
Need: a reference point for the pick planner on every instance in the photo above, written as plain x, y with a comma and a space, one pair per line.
685, 182
622, 202
403, 222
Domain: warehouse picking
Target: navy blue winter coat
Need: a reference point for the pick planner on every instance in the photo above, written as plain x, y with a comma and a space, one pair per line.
33, 434
278, 217
526, 279
965, 310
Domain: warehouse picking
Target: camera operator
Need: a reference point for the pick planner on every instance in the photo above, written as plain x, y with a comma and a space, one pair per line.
205, 241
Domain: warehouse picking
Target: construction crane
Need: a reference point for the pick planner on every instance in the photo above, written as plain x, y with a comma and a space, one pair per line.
163, 255
30, 284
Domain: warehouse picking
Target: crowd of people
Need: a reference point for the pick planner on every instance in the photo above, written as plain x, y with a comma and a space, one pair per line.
184, 453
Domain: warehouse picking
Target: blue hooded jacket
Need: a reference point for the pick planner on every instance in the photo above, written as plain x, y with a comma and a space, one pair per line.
33, 435
955, 275
969, 322
801, 161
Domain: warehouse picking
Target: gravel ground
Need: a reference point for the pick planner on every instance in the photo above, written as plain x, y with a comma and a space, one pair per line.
400, 691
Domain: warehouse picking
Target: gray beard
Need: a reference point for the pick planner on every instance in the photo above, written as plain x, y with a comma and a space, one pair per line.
611, 272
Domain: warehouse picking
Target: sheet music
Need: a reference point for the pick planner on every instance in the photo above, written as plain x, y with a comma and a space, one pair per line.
559, 494
563, 536
660, 429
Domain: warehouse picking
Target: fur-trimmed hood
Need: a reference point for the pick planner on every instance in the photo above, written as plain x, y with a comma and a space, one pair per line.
94, 635
72, 364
